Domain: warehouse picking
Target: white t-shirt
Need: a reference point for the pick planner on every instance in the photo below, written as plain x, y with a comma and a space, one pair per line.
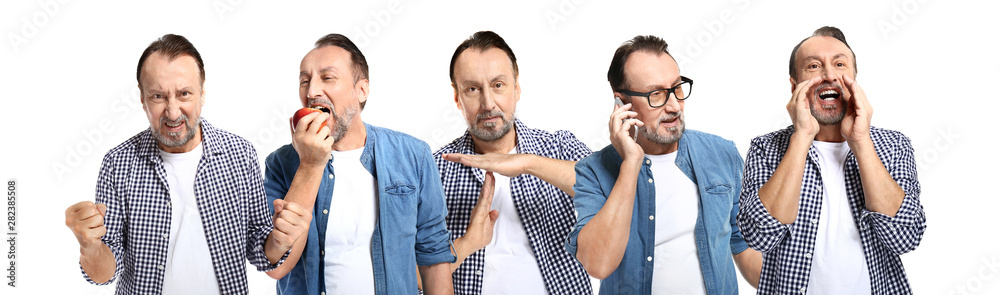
347, 257
838, 264
675, 265
189, 267
510, 264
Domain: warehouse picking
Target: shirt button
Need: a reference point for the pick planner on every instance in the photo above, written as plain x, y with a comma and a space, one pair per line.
814, 220
649, 258
322, 293
160, 266
165, 236
651, 217
809, 255
647, 161
330, 176
650, 180
479, 272
803, 290
325, 211
321, 252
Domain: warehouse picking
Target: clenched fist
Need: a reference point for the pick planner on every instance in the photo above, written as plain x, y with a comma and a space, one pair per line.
87, 222
291, 222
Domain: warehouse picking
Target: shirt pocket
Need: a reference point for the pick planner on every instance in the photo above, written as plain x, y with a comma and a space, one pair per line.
399, 202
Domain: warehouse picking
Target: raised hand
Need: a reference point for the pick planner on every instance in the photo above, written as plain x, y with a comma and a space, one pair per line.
798, 109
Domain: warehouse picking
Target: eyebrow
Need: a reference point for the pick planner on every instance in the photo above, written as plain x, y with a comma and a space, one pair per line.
323, 70
839, 55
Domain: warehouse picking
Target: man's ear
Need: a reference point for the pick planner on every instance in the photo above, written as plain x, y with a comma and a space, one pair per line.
455, 89
202, 94
361, 88
790, 79
517, 90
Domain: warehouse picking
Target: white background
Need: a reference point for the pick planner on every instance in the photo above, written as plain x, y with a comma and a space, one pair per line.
67, 71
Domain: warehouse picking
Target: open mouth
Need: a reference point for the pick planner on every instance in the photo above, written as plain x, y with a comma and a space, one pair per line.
828, 93
321, 108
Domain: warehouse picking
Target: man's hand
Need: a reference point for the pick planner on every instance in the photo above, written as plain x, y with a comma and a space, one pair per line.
798, 109
620, 139
86, 220
510, 165
291, 222
482, 220
311, 139
858, 118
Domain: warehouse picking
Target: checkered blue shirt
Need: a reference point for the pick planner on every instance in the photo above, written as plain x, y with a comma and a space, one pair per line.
231, 201
546, 211
788, 248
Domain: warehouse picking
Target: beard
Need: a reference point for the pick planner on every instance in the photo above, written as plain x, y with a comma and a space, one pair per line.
488, 133
673, 133
175, 139
828, 114
342, 122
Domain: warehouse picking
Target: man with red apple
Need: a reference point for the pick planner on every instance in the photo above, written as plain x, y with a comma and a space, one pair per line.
375, 193
180, 206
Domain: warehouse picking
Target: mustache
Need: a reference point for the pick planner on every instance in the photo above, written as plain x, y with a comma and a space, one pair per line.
182, 118
830, 85
494, 113
670, 116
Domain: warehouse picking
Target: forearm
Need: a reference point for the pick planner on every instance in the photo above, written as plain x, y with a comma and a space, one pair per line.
560, 173
603, 240
749, 263
436, 279
98, 263
461, 250
780, 194
305, 186
882, 193
290, 261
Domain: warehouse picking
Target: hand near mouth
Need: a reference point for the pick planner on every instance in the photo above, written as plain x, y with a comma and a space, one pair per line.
857, 119
311, 139
798, 109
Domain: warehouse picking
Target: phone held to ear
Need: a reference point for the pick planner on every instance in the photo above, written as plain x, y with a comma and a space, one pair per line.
635, 128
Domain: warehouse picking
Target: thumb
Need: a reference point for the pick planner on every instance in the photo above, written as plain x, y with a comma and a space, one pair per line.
493, 216
103, 209
279, 205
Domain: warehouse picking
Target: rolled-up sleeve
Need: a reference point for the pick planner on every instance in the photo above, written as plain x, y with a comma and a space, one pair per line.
737, 243
261, 225
589, 199
433, 243
760, 230
901, 233
107, 194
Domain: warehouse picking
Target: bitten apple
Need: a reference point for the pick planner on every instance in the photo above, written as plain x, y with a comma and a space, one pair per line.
302, 113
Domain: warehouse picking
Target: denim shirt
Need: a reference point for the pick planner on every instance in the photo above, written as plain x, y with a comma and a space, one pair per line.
410, 229
709, 161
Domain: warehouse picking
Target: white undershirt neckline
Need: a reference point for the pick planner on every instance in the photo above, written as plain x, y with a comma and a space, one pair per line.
676, 268
188, 269
509, 263
351, 220
838, 262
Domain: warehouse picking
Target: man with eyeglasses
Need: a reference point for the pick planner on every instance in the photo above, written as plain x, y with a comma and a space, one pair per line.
831, 201
657, 212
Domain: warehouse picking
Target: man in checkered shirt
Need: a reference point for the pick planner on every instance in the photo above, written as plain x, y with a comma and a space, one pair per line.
508, 227
180, 206
831, 201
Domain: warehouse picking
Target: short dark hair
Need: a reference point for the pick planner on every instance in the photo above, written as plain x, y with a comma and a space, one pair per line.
647, 43
482, 41
826, 31
358, 61
171, 46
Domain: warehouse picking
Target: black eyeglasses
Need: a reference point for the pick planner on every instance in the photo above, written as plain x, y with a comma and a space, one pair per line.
659, 97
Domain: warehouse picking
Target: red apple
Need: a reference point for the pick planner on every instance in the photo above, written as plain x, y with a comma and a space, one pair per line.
302, 113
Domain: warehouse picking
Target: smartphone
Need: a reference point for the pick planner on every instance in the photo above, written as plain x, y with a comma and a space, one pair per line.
635, 128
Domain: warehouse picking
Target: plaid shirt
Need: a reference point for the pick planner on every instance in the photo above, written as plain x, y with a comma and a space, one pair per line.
231, 202
788, 248
546, 212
